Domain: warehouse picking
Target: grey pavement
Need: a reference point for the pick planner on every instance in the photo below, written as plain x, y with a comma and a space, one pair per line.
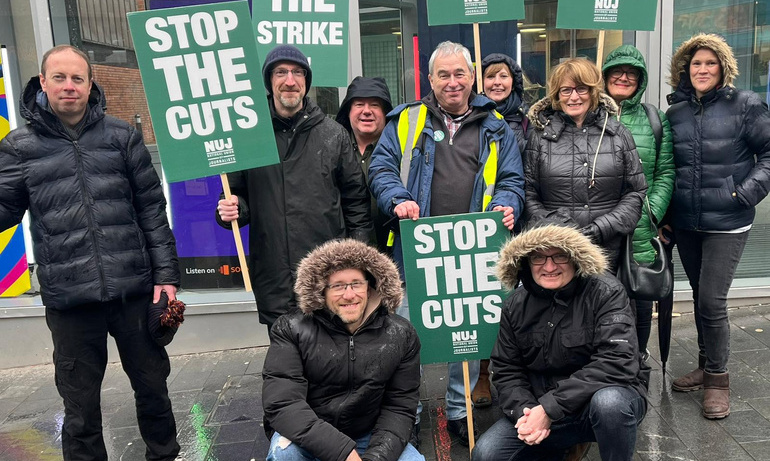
217, 402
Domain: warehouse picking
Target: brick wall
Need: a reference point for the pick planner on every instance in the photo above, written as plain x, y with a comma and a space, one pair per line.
125, 96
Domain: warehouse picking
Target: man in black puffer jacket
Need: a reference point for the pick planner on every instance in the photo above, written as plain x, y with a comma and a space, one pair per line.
101, 241
342, 376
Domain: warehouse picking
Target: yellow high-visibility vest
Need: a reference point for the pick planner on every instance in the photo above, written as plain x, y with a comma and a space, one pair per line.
411, 122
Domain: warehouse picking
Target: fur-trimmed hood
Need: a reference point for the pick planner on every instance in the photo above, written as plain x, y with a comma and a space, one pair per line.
541, 112
589, 259
336, 255
680, 62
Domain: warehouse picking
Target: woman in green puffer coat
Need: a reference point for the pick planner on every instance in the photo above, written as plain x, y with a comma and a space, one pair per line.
625, 77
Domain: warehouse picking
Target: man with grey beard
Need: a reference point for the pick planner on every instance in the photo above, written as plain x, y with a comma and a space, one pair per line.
316, 193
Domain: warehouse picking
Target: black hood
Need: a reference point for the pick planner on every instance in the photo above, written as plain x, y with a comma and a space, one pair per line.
518, 76
364, 87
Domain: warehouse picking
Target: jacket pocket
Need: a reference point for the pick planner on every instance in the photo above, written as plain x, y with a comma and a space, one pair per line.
530, 345
576, 345
734, 193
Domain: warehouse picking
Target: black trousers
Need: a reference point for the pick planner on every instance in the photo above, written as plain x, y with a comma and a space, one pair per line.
710, 261
80, 359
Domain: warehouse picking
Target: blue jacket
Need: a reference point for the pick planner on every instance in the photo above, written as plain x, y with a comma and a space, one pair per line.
384, 171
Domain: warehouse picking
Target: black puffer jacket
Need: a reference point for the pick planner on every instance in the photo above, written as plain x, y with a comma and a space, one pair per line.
513, 109
561, 160
556, 348
323, 386
721, 146
98, 215
316, 193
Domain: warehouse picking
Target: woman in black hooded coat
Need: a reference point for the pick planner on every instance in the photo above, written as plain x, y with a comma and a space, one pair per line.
504, 84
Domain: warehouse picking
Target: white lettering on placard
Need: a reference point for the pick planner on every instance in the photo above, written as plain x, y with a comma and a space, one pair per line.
461, 278
204, 29
453, 312
308, 6
206, 71
464, 235
606, 4
300, 32
201, 119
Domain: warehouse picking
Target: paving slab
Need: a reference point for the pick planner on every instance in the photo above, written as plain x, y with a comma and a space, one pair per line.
216, 399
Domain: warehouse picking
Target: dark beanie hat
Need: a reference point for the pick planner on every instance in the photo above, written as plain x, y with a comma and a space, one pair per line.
285, 53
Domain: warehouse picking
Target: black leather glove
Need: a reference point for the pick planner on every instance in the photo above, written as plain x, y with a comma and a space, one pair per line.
592, 232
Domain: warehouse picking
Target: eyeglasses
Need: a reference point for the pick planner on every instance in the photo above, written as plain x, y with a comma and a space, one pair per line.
631, 74
358, 286
283, 73
537, 259
566, 91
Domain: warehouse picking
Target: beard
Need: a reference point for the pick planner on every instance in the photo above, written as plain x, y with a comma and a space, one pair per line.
288, 102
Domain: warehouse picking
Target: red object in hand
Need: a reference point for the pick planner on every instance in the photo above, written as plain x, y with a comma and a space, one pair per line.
173, 316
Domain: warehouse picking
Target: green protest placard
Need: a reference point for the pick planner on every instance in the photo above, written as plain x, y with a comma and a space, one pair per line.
455, 301
606, 14
319, 28
443, 12
203, 81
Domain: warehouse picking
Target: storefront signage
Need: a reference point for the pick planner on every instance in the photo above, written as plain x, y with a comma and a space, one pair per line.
444, 12
317, 27
455, 301
607, 14
203, 82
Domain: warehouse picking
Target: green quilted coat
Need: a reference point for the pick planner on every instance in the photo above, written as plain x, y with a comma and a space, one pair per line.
660, 173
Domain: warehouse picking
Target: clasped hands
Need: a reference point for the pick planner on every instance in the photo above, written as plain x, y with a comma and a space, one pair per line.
534, 426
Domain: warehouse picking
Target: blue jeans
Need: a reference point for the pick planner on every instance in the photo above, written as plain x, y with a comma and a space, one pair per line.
710, 260
611, 419
455, 388
294, 453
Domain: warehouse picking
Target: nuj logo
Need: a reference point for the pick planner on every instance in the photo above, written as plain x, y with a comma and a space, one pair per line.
606, 10
464, 335
218, 145
606, 4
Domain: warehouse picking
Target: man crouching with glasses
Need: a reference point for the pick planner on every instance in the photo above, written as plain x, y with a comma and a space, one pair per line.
342, 375
566, 362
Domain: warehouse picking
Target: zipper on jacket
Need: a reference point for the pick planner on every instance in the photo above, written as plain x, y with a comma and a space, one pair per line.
352, 358
698, 164
91, 223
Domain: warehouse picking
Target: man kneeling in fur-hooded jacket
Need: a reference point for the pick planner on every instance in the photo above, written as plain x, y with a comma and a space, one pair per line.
342, 375
566, 362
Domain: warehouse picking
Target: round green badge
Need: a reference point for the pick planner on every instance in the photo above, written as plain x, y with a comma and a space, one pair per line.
438, 136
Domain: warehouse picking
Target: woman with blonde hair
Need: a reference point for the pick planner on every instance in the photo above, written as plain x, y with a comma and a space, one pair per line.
580, 160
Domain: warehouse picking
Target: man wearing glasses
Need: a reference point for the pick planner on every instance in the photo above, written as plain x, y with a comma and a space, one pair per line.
316, 193
566, 363
342, 375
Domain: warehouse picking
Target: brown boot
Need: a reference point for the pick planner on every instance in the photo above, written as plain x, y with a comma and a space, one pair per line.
716, 398
692, 381
481, 395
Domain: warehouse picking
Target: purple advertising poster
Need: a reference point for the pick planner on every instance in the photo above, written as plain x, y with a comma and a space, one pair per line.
207, 256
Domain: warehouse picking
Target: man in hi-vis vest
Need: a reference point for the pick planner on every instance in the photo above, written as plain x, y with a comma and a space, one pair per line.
448, 153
